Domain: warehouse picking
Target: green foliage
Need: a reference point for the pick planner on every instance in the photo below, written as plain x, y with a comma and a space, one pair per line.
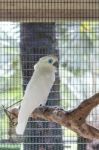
78, 41
9, 147
10, 75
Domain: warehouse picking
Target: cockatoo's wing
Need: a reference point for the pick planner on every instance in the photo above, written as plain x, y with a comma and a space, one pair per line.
36, 93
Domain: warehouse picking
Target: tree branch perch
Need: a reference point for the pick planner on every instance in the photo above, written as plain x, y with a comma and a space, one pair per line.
74, 119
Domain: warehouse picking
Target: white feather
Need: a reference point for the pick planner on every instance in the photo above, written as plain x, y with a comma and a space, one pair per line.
36, 93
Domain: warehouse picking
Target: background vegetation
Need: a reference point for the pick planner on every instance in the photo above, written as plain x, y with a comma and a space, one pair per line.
78, 44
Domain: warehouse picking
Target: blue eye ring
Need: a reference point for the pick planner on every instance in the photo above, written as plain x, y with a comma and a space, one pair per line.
50, 61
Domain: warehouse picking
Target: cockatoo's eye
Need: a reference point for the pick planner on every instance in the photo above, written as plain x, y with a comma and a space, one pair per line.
50, 61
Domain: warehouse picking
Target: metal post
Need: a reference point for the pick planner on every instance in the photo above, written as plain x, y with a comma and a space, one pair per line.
37, 40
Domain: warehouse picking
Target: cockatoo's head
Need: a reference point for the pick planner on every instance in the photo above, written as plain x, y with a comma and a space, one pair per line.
47, 62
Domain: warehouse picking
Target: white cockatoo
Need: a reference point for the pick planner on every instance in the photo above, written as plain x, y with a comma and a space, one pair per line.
37, 90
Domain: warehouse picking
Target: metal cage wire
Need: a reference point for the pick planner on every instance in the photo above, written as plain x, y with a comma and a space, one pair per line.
76, 42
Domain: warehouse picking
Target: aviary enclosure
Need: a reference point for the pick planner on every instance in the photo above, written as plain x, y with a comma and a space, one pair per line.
30, 29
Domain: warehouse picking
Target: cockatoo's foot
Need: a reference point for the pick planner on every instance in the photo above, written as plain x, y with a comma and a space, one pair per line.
41, 105
58, 107
43, 108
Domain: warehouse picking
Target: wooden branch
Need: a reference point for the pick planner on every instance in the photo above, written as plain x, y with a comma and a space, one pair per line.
74, 119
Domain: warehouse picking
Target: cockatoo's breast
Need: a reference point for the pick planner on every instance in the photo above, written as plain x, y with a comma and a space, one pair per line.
42, 83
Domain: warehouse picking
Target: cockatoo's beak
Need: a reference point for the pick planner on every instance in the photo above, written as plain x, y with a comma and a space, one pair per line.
55, 64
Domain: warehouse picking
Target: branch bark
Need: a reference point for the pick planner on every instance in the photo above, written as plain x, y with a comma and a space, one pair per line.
74, 119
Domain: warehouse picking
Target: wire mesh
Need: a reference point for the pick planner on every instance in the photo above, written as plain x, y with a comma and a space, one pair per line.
32, 30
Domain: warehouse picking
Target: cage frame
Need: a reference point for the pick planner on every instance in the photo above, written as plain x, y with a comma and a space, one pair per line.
48, 10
